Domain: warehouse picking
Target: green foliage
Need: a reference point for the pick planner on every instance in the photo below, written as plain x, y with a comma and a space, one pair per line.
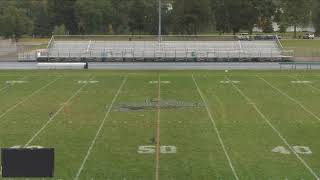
59, 30
296, 13
14, 22
142, 15
44, 17
120, 16
110, 29
283, 28
268, 28
316, 16
41, 18
243, 14
63, 12
93, 16
190, 16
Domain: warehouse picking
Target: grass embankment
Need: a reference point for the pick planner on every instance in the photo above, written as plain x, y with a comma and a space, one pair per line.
303, 48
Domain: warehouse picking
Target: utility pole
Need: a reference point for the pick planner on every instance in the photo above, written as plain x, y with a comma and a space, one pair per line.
160, 14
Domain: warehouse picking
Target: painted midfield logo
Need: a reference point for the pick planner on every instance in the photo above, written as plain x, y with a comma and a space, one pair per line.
151, 104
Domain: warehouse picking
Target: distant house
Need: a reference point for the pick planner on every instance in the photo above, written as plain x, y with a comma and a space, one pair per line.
169, 5
309, 28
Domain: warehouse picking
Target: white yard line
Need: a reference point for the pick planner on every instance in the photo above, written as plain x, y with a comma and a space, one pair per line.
274, 129
99, 130
5, 87
215, 128
157, 155
15, 75
290, 98
27, 98
55, 114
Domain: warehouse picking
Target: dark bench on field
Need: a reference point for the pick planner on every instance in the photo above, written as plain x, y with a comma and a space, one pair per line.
294, 65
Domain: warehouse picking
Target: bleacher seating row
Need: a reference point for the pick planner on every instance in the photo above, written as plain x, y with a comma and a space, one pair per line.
258, 50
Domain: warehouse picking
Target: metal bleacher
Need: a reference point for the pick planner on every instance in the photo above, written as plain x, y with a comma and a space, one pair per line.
147, 48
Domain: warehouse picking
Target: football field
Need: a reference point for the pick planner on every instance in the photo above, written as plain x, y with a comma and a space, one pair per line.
166, 125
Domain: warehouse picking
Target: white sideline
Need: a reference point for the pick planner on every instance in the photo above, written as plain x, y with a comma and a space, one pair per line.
60, 65
8, 85
274, 129
216, 129
55, 114
157, 153
5, 75
27, 98
100, 128
290, 98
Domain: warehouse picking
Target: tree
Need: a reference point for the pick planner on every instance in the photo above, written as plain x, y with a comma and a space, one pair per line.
93, 16
296, 13
119, 16
316, 16
267, 14
243, 14
41, 18
14, 23
63, 12
266, 25
191, 16
143, 16
222, 17
138, 16
249, 14
59, 30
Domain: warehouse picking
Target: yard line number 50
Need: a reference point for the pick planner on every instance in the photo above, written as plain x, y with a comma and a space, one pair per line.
152, 149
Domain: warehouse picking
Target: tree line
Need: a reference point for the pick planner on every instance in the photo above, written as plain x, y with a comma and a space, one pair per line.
46, 17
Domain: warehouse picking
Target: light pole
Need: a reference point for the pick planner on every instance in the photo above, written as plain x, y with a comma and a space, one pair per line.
159, 33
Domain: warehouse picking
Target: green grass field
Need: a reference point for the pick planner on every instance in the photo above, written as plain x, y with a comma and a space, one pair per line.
303, 48
206, 124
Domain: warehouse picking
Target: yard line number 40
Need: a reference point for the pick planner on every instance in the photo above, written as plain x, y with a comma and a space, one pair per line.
297, 149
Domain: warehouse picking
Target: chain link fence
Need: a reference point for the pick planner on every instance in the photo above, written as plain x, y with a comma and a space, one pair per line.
11, 51
306, 54
8, 50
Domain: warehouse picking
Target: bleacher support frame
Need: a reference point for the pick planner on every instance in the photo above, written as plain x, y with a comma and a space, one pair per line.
296, 65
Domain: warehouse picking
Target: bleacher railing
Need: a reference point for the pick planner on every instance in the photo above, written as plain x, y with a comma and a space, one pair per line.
167, 53
164, 37
51, 42
279, 43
